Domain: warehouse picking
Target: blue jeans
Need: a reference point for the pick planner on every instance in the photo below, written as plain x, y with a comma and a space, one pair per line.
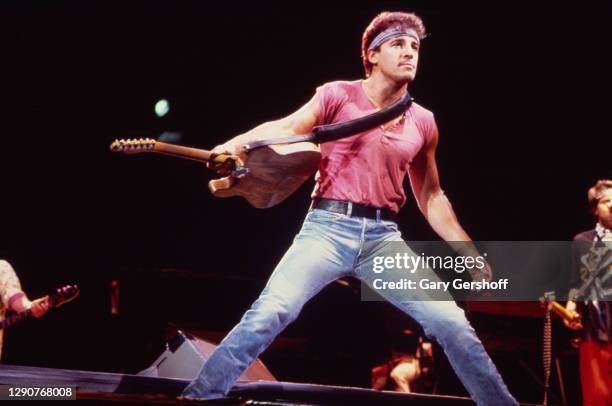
330, 246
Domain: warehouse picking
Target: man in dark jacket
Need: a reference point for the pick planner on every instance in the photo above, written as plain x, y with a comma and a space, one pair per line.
592, 288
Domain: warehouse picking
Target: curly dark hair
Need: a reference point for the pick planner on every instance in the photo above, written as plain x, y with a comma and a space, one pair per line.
383, 21
595, 193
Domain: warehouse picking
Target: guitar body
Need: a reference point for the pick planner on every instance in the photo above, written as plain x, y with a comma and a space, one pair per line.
273, 173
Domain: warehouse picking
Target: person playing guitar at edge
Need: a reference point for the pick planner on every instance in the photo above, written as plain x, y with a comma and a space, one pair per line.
358, 194
592, 289
13, 298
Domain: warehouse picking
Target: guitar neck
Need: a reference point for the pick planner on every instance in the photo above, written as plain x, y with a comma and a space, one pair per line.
14, 318
563, 312
180, 151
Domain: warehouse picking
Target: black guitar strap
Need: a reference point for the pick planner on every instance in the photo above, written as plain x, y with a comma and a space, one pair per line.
332, 132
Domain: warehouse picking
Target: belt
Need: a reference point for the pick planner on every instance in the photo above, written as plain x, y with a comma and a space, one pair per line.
353, 209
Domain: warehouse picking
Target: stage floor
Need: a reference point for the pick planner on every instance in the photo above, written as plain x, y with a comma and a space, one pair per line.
126, 388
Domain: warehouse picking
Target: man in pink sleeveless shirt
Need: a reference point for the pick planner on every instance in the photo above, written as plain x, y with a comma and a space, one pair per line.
358, 193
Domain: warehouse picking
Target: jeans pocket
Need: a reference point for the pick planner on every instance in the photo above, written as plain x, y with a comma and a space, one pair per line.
390, 225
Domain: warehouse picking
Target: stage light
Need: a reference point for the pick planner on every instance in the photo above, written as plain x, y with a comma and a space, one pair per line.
162, 107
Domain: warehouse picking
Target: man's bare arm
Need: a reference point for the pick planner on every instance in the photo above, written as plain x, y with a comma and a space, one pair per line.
429, 195
437, 208
300, 122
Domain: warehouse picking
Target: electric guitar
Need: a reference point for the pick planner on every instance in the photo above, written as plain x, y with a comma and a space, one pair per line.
56, 299
264, 176
572, 317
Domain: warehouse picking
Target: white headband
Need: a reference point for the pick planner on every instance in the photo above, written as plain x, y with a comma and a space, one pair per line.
391, 33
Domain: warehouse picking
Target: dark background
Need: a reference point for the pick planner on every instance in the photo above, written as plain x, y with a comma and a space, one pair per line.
520, 93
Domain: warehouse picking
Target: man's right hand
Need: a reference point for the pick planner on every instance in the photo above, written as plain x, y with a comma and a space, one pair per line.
224, 168
575, 324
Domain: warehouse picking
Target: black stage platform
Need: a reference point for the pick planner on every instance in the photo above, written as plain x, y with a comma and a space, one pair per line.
135, 389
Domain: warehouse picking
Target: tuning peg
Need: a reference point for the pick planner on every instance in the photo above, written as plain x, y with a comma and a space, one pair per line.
117, 145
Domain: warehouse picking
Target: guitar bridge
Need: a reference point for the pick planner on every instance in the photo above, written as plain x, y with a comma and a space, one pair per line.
240, 171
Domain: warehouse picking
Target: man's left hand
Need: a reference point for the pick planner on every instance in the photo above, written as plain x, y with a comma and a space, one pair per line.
486, 273
40, 306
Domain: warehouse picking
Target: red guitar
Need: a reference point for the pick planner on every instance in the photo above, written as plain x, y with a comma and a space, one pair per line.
56, 299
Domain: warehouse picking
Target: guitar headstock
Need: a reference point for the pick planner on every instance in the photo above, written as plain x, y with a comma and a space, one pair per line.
63, 295
133, 146
547, 298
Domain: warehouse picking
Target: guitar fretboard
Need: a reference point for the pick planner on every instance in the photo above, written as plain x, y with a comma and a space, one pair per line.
180, 151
